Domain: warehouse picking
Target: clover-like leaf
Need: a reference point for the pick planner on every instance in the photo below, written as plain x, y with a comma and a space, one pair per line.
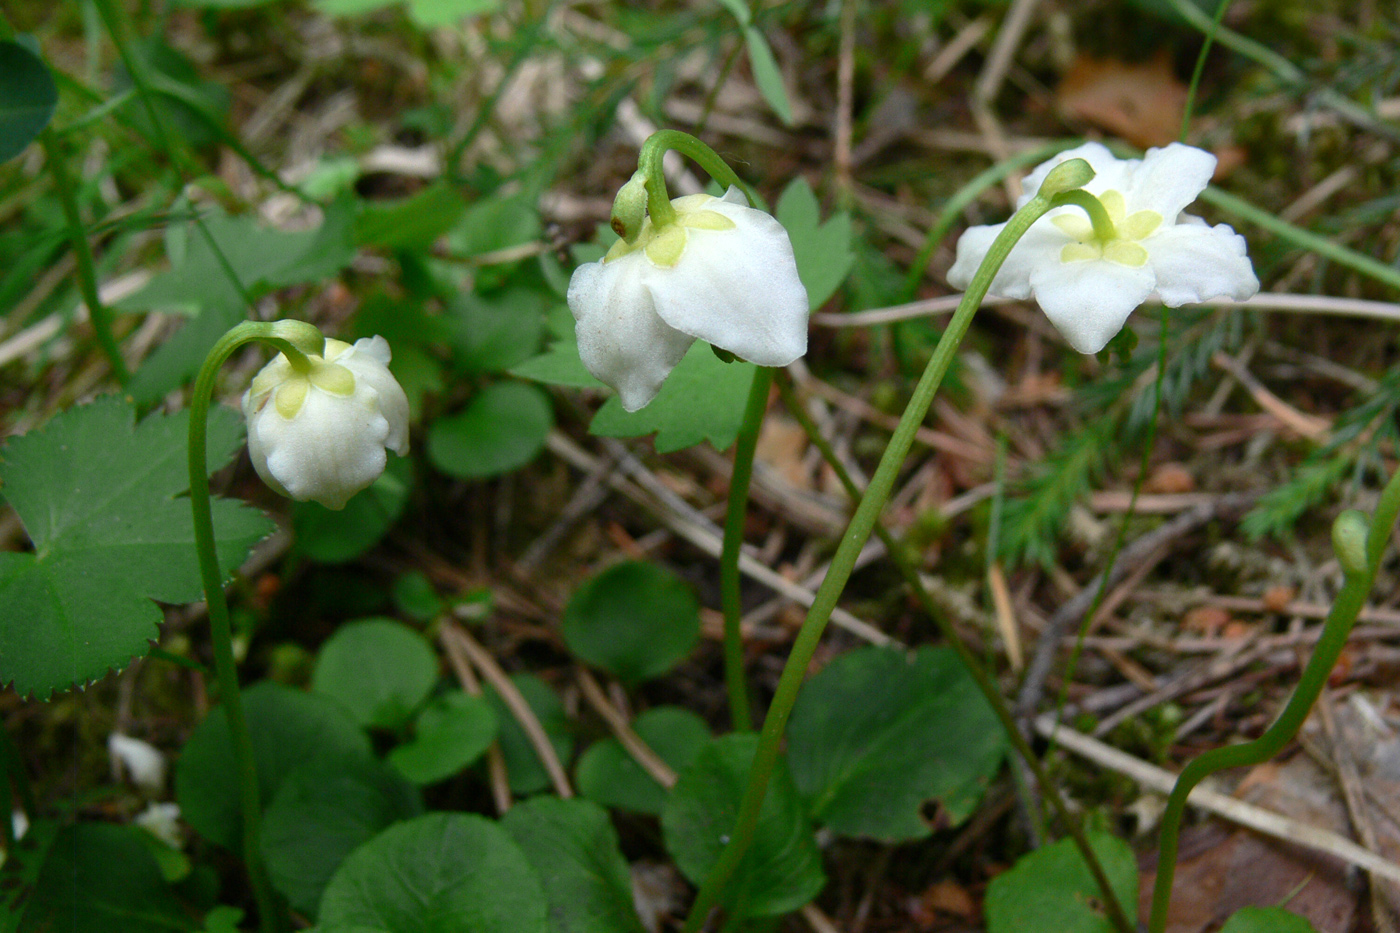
101, 498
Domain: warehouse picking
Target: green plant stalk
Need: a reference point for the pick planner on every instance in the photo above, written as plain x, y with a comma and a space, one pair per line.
985, 684
650, 168
1359, 549
226, 669
744, 446
843, 562
82, 251
1196, 72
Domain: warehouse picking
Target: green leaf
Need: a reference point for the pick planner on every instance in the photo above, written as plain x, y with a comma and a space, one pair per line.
574, 849
333, 537
559, 365
288, 727
879, 732
1051, 890
766, 74
739, 9
439, 873
28, 97
500, 430
427, 14
492, 333
1266, 920
101, 498
451, 733
117, 876
496, 223
634, 620
223, 4
190, 108
703, 399
823, 250
527, 773
608, 775
324, 810
413, 223
782, 869
377, 669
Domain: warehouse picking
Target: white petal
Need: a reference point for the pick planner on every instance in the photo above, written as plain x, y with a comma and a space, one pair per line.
1109, 171
257, 445
332, 449
144, 763
1040, 245
1169, 179
368, 360
1088, 302
736, 289
621, 339
1195, 262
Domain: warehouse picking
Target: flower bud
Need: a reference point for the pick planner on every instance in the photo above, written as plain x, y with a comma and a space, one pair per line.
1068, 175
319, 433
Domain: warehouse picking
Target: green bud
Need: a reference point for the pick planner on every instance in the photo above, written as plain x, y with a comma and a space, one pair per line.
1068, 175
305, 337
630, 208
1349, 533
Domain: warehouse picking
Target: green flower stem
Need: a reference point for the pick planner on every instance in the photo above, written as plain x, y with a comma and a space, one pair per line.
1359, 549
650, 168
1104, 231
82, 251
985, 683
843, 562
225, 668
747, 442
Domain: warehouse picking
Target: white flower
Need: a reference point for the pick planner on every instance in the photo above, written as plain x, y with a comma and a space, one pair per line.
162, 820
143, 762
1088, 286
723, 273
321, 435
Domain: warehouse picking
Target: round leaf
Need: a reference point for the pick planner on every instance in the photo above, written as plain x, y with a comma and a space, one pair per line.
1051, 890
451, 733
1266, 920
608, 775
503, 428
28, 97
380, 670
323, 811
573, 848
440, 873
287, 726
782, 869
633, 620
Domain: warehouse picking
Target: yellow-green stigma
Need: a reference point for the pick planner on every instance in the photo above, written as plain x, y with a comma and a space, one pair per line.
664, 246
330, 378
1123, 249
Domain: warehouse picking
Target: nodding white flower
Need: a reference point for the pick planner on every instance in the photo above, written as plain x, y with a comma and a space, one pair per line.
1087, 284
162, 820
320, 435
723, 272
143, 762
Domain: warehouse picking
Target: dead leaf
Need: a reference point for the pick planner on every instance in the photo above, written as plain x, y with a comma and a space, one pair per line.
1143, 103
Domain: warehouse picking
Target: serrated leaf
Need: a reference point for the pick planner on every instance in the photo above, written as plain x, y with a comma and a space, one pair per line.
822, 249
573, 848
439, 873
1052, 891
766, 74
608, 775
1266, 920
879, 732
28, 97
380, 670
702, 400
101, 498
324, 810
782, 869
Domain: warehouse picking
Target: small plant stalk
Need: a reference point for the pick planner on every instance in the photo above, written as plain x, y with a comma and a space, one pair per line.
744, 447
1359, 545
858, 532
270, 913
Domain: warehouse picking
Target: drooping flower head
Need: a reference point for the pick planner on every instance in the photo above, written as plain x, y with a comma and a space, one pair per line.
320, 433
1088, 278
722, 272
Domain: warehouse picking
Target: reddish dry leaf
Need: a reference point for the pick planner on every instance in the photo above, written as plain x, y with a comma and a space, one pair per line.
1143, 103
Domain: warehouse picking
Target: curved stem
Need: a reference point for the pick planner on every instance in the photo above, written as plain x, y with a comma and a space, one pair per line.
843, 562
649, 165
225, 667
985, 684
1104, 231
1359, 575
739, 714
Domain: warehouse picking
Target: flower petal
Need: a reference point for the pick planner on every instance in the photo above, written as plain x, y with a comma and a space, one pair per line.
1195, 262
369, 359
331, 450
736, 289
1169, 179
621, 339
1040, 245
1110, 172
1088, 302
